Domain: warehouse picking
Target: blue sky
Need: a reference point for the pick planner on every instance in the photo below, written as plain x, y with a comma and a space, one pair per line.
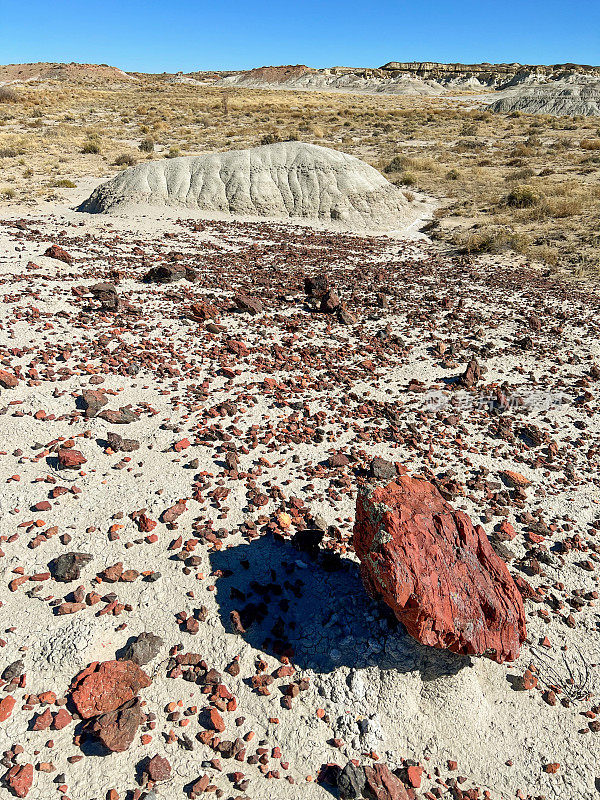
153, 36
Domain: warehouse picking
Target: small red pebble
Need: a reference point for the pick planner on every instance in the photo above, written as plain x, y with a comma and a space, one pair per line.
551, 769
414, 775
215, 721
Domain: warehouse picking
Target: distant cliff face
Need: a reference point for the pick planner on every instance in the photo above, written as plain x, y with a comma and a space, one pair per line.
494, 75
407, 77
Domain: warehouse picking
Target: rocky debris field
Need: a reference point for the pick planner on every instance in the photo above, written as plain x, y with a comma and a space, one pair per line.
188, 412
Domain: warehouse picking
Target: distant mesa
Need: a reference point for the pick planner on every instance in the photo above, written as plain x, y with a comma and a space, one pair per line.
25, 73
284, 180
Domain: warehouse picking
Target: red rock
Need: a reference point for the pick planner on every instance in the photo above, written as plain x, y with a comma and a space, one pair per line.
20, 779
514, 479
249, 304
145, 524
171, 514
158, 769
330, 301
6, 706
108, 686
506, 532
528, 680
43, 721
182, 444
414, 775
437, 571
381, 784
214, 721
92, 400
8, 381
117, 729
70, 459
62, 718
54, 251
201, 311
472, 374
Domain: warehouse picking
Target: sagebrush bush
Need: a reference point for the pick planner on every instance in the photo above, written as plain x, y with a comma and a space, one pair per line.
125, 160
147, 145
523, 197
8, 95
91, 148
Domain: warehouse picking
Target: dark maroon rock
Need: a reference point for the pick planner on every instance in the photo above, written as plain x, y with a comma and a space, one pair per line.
54, 251
250, 304
116, 729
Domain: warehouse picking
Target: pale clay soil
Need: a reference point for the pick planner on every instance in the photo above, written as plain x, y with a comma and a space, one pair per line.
380, 690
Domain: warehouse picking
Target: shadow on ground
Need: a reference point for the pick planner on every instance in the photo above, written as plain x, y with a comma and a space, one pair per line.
316, 611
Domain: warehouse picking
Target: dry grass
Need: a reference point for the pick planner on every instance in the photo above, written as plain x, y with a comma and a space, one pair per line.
469, 159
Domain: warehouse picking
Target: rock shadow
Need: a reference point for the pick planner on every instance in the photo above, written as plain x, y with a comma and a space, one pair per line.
316, 611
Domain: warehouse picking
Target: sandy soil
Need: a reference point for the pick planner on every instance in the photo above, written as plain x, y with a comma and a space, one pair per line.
283, 391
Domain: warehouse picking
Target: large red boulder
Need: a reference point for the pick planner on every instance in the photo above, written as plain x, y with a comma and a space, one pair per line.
20, 779
437, 571
104, 687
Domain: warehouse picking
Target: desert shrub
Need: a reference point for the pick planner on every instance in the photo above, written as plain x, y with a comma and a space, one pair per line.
520, 174
8, 95
558, 207
523, 197
590, 144
490, 240
408, 179
270, 138
92, 147
63, 183
522, 151
174, 152
397, 164
8, 193
8, 152
452, 175
147, 145
125, 160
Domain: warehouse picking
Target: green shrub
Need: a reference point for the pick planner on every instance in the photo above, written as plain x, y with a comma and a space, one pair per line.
8, 95
147, 145
125, 160
397, 164
523, 197
91, 148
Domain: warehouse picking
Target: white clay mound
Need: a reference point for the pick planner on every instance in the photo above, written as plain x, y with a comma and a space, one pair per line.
560, 98
283, 180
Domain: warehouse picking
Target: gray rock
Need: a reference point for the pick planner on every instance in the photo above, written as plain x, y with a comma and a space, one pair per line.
143, 649
351, 782
68, 566
13, 670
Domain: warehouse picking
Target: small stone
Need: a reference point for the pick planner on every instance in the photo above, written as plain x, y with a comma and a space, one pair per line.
143, 649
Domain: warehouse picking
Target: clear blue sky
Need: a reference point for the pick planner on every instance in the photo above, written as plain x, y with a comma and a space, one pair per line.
172, 35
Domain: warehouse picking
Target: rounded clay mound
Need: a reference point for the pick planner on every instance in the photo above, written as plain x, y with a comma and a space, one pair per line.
284, 180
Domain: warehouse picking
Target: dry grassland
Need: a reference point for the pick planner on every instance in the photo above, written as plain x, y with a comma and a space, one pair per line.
524, 183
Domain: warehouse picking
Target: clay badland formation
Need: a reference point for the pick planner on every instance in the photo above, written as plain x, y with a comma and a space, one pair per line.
297, 502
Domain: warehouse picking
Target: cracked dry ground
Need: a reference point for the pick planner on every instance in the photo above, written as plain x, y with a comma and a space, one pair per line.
182, 456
